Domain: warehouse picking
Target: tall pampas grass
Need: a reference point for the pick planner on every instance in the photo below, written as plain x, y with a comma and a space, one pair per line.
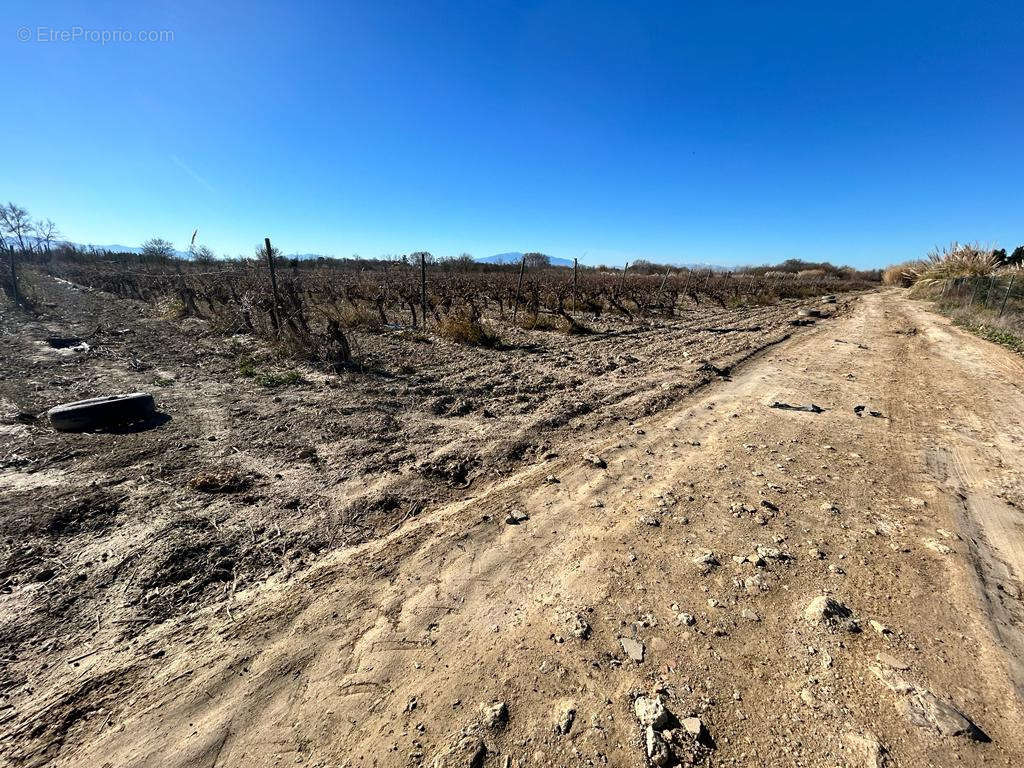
968, 260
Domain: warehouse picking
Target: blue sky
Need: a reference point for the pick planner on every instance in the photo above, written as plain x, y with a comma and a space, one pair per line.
723, 132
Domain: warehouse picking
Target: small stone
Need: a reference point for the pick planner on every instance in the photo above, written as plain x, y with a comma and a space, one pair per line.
650, 711
915, 503
565, 714
937, 546
494, 715
891, 680
461, 752
650, 520
705, 559
830, 508
891, 662
693, 726
867, 749
808, 698
594, 459
926, 710
657, 750
880, 628
825, 609
577, 626
750, 614
633, 648
687, 619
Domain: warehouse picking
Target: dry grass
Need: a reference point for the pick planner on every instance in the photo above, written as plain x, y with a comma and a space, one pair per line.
905, 274
538, 322
958, 261
362, 318
464, 330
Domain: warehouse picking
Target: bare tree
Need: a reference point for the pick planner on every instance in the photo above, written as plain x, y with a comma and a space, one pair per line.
537, 260
203, 254
158, 249
15, 224
45, 232
275, 253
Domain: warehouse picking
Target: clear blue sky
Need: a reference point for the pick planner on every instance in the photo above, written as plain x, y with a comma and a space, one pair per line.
720, 131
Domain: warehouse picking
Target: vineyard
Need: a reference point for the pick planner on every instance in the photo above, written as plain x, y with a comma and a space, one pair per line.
308, 309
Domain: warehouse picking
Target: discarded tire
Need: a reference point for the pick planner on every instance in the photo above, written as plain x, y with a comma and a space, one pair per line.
100, 412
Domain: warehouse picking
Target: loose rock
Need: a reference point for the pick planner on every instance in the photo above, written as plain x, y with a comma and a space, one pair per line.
650, 711
826, 610
565, 714
633, 648
926, 710
938, 546
493, 715
866, 748
461, 752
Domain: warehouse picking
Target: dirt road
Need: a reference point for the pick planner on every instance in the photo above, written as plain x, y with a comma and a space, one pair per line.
519, 625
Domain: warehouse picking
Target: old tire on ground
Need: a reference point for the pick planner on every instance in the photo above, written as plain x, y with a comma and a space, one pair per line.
100, 412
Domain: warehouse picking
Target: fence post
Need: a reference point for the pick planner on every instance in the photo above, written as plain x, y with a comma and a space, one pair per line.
187, 302
423, 288
15, 293
974, 290
273, 285
664, 280
1006, 295
574, 267
988, 293
661, 288
519, 286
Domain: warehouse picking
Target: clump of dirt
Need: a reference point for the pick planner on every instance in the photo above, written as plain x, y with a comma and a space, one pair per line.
188, 557
223, 480
93, 510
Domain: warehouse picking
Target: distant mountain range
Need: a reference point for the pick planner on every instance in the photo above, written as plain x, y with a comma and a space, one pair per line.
514, 257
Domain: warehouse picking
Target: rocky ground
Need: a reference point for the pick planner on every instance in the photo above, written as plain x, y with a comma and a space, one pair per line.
585, 551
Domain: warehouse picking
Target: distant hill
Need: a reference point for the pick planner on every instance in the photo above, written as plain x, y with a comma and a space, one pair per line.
514, 257
37, 243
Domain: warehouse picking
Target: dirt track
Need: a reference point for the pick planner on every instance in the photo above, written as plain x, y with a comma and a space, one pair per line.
383, 654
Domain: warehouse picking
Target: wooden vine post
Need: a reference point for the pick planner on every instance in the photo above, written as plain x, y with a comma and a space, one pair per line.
519, 287
15, 293
423, 288
273, 285
575, 265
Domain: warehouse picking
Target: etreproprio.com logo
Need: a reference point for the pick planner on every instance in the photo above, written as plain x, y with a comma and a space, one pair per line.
77, 34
